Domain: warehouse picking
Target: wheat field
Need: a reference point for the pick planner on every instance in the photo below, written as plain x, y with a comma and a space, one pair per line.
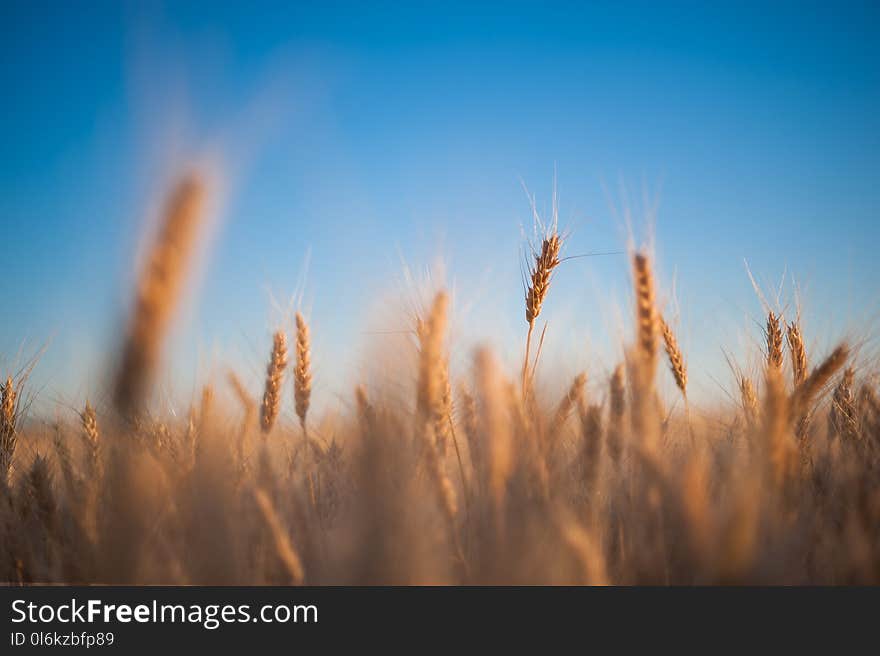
481, 479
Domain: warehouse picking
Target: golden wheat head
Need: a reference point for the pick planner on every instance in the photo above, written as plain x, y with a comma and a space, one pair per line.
158, 291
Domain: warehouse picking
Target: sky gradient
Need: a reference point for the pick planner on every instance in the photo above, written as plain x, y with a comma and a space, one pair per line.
356, 141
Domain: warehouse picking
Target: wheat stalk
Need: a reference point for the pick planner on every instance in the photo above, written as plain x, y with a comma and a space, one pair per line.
284, 548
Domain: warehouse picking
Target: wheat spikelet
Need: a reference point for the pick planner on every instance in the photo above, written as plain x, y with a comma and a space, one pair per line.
91, 436
616, 414
271, 405
430, 385
774, 342
642, 360
646, 313
431, 389
842, 417
440, 479
572, 399
816, 381
302, 375
443, 416
249, 407
749, 400
673, 352
8, 435
158, 291
798, 353
540, 276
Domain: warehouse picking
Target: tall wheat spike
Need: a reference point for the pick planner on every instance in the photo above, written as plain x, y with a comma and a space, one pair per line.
158, 291
571, 400
8, 435
842, 417
676, 360
431, 387
271, 405
429, 402
798, 353
540, 276
749, 400
644, 416
817, 379
646, 312
89, 422
774, 342
302, 374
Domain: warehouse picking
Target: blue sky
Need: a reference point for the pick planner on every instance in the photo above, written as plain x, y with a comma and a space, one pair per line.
357, 140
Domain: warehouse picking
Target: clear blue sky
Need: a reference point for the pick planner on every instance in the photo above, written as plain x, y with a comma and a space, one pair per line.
367, 135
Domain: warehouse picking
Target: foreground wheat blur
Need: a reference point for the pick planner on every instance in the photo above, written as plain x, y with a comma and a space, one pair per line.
494, 484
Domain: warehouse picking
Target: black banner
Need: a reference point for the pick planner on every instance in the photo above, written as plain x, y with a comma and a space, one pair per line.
134, 619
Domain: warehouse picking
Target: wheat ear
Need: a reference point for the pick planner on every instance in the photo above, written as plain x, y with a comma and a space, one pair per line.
774, 342
158, 292
843, 420
302, 375
89, 422
798, 353
271, 405
8, 435
646, 312
676, 360
540, 276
